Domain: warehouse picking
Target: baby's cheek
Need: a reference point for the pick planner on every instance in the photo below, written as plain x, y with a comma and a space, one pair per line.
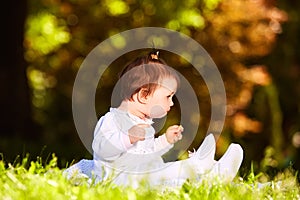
157, 111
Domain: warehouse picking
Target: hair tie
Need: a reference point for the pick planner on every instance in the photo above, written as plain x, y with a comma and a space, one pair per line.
154, 55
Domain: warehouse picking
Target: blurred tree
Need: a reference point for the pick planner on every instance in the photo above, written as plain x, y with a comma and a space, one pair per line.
239, 43
15, 95
285, 60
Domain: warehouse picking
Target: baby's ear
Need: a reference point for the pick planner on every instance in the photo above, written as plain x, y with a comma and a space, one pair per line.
143, 95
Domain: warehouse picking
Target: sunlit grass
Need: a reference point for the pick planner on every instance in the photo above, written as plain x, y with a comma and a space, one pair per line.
37, 180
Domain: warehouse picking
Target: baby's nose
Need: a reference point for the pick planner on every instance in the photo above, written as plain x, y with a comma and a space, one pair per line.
171, 103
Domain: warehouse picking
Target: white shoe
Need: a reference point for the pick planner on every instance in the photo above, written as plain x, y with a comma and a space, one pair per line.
203, 158
228, 165
207, 149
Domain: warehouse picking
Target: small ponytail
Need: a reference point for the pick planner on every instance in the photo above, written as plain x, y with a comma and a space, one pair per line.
154, 55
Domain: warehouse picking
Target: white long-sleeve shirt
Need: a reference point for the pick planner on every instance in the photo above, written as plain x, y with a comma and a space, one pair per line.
112, 147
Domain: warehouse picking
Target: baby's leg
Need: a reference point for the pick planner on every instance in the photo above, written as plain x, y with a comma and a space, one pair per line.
177, 172
173, 173
225, 168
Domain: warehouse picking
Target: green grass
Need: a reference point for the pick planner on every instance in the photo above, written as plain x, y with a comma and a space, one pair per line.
38, 180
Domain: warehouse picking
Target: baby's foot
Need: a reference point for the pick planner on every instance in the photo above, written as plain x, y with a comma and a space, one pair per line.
84, 168
203, 158
228, 166
207, 149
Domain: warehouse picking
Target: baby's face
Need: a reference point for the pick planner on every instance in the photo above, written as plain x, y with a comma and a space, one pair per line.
160, 101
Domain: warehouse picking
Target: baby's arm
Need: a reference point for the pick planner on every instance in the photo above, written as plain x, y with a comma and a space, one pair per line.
161, 144
109, 140
137, 133
165, 142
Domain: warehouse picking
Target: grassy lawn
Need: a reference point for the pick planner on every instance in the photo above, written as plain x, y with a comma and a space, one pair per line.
37, 180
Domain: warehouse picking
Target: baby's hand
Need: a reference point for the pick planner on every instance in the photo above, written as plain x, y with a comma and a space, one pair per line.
137, 133
173, 133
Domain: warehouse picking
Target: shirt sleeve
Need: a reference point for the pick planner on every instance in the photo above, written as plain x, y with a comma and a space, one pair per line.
110, 142
162, 145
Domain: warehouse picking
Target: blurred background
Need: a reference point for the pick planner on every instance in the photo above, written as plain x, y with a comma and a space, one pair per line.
254, 43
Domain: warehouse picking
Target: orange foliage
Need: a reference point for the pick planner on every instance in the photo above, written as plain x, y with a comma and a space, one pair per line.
237, 32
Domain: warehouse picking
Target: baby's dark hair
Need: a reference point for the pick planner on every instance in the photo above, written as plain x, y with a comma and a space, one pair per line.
145, 72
